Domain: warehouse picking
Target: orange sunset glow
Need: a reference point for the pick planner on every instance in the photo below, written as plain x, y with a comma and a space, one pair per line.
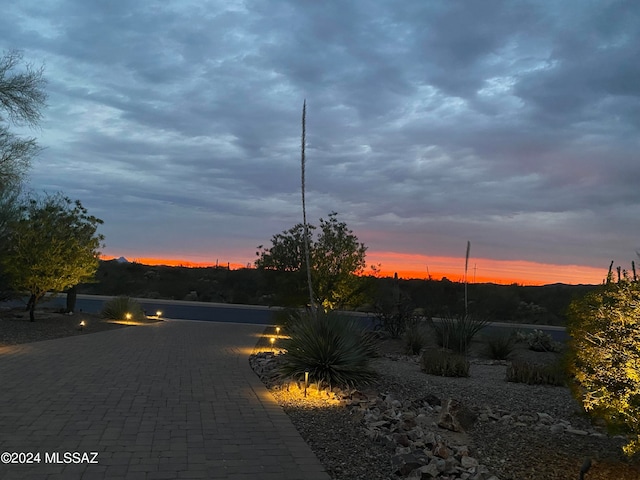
481, 270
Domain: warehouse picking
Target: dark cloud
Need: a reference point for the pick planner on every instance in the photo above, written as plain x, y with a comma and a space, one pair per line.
510, 123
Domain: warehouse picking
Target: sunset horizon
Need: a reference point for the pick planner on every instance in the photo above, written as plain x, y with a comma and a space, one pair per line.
481, 270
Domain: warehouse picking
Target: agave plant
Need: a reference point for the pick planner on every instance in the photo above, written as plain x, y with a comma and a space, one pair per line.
332, 348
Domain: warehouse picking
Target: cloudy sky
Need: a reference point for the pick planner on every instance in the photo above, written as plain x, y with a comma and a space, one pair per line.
510, 124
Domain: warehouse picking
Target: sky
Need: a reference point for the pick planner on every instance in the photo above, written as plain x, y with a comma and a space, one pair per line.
509, 124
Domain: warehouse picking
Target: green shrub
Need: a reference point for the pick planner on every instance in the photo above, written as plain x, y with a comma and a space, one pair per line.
332, 348
520, 336
604, 356
540, 341
414, 339
444, 363
457, 332
500, 347
117, 309
535, 374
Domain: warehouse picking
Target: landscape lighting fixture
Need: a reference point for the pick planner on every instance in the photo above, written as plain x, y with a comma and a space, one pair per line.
127, 316
306, 381
273, 341
82, 324
158, 313
278, 331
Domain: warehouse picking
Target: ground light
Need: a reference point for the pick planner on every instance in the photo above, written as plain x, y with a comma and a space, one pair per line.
158, 313
127, 316
273, 341
278, 331
306, 382
82, 324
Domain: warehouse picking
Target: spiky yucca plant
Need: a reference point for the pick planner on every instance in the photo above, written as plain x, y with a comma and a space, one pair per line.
457, 332
332, 348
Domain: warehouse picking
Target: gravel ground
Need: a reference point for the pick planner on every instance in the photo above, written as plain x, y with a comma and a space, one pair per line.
336, 433
15, 327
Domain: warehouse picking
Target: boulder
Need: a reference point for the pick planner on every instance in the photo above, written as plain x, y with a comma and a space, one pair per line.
456, 417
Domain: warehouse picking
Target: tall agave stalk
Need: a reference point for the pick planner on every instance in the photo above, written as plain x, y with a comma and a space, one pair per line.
466, 267
304, 212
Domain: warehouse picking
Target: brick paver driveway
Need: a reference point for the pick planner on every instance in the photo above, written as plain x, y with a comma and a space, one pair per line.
166, 401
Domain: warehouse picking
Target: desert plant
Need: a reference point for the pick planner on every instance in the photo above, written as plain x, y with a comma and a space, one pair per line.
500, 347
414, 339
123, 308
332, 348
444, 363
604, 356
304, 208
520, 336
536, 374
457, 332
540, 341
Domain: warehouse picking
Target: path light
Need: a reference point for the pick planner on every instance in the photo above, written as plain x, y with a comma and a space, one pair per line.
306, 381
127, 316
278, 331
158, 313
273, 341
82, 324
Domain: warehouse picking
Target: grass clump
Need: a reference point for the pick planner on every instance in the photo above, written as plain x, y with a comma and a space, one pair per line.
457, 332
414, 340
332, 348
444, 363
500, 347
123, 309
536, 374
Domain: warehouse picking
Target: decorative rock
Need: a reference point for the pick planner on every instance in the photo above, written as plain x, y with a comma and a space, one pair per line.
545, 418
468, 462
442, 452
401, 439
557, 428
404, 464
456, 417
429, 471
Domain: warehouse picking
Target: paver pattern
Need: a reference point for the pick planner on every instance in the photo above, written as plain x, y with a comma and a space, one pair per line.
173, 400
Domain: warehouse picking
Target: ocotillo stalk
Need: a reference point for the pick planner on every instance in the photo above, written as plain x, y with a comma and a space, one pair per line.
304, 211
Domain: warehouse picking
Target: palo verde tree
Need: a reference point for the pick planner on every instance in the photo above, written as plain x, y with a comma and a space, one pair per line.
53, 246
605, 355
336, 259
22, 97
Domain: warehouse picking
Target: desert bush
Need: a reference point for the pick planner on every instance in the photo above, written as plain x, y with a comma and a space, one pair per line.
604, 356
414, 339
332, 348
444, 363
536, 374
457, 332
395, 318
117, 309
500, 347
520, 336
540, 341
